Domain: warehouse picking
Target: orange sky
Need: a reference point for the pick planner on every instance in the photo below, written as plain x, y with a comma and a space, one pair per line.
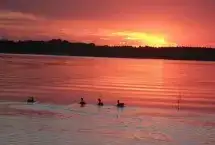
111, 22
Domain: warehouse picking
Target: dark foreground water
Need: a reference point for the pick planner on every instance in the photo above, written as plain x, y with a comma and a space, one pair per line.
150, 88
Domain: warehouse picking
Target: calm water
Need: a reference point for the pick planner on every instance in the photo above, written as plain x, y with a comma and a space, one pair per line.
150, 88
147, 83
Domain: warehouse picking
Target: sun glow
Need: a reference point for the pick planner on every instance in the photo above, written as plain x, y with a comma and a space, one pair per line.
145, 39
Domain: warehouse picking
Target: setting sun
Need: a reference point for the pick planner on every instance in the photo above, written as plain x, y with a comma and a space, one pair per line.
144, 39
119, 72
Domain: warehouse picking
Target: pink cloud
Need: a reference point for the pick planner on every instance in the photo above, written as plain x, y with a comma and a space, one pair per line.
181, 21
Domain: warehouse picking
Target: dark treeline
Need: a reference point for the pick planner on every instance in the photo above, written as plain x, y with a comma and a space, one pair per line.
59, 47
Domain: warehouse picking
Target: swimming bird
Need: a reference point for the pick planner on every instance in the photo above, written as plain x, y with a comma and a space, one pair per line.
82, 102
31, 100
100, 103
120, 104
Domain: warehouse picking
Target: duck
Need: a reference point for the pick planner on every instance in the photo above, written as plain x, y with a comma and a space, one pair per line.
100, 103
31, 100
121, 105
82, 102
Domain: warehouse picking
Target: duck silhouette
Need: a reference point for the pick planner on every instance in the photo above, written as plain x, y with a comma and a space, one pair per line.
100, 103
31, 100
82, 103
121, 105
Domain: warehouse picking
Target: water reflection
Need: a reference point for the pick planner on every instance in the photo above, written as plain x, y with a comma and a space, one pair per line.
146, 83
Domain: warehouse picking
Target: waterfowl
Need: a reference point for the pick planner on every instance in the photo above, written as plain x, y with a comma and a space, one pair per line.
82, 102
120, 104
31, 100
100, 103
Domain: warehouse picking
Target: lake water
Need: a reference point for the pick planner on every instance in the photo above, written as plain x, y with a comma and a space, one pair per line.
150, 88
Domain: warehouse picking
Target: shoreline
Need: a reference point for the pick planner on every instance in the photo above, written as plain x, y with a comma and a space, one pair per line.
59, 47
90, 56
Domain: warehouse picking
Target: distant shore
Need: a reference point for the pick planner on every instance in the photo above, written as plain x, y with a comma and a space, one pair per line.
65, 48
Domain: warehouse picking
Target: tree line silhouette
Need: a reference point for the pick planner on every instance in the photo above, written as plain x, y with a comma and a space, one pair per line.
62, 47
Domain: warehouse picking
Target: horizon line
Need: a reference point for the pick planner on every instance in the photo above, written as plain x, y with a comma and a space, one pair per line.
138, 46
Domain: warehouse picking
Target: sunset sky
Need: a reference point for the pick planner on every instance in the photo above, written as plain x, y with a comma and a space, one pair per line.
111, 22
